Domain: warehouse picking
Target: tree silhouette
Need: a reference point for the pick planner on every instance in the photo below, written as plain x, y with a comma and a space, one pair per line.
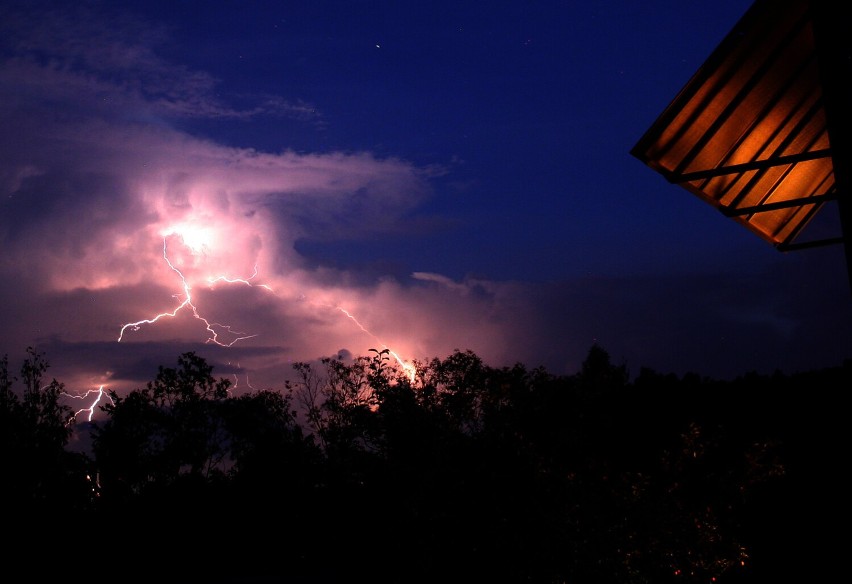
184, 462
169, 431
44, 487
460, 472
518, 475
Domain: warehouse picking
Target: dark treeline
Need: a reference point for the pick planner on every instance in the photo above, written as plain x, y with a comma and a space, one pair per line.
358, 471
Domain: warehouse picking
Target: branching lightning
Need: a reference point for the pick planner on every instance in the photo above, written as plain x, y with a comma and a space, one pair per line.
187, 302
101, 394
246, 281
194, 241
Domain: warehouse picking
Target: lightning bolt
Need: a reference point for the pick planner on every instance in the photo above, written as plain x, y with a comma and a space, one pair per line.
246, 281
406, 366
213, 328
236, 379
101, 394
187, 302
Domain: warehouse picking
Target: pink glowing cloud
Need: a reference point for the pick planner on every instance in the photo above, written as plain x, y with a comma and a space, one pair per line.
124, 228
112, 212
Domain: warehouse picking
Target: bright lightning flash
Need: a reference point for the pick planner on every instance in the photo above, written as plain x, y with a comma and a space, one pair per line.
197, 241
101, 394
409, 369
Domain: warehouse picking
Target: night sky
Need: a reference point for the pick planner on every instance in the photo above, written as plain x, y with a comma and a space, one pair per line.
286, 181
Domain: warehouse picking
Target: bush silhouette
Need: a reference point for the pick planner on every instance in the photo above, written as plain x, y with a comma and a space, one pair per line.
462, 472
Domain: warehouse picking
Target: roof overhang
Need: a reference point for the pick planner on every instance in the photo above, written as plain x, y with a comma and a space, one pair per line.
749, 132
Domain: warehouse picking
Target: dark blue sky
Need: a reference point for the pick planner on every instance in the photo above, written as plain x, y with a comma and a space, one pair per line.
426, 176
529, 107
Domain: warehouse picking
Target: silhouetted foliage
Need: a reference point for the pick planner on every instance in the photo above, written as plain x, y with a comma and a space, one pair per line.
40, 476
456, 471
169, 431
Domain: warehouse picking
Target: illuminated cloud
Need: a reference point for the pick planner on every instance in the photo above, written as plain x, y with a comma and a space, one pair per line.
112, 214
112, 208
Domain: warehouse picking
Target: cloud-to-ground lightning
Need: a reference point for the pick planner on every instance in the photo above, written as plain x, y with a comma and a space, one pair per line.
409, 369
237, 381
100, 393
